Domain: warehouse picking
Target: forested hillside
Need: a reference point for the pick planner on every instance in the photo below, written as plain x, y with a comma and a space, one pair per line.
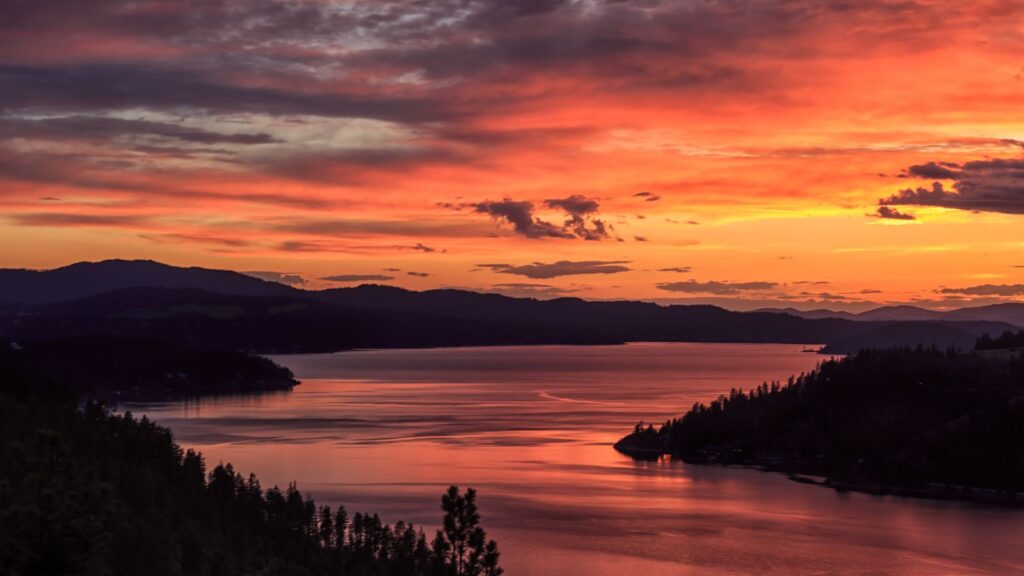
902, 420
84, 491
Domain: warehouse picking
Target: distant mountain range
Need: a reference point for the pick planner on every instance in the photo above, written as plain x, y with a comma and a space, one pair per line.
86, 279
1011, 313
200, 307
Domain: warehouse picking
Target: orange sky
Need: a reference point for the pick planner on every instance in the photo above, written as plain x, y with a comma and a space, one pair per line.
723, 151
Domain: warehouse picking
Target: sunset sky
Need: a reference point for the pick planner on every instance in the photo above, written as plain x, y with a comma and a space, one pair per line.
829, 153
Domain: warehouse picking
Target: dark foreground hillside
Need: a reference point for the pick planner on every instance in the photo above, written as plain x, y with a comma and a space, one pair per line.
911, 421
86, 492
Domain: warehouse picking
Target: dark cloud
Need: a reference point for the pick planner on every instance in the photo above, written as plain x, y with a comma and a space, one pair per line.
418, 274
79, 170
520, 216
890, 213
575, 205
986, 290
337, 54
357, 278
678, 269
579, 223
640, 238
828, 296
934, 171
69, 219
419, 246
580, 208
712, 287
529, 290
540, 270
355, 167
110, 86
647, 196
279, 277
412, 228
300, 246
103, 127
995, 185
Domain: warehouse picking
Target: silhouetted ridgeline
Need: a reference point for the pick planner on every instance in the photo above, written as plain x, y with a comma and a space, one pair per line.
201, 308
911, 421
88, 492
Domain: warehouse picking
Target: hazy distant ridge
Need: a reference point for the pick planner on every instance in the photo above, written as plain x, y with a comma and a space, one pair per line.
203, 307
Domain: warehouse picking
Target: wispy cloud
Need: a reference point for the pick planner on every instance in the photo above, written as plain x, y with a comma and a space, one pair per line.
718, 288
541, 270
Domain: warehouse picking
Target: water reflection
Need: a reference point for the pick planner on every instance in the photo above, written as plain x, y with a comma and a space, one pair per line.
532, 429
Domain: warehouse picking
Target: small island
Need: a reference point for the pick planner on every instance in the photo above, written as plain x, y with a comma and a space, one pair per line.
908, 421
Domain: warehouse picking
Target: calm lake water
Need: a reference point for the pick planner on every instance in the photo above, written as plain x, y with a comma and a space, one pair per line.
532, 427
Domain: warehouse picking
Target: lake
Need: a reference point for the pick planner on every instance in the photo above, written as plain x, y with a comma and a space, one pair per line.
532, 427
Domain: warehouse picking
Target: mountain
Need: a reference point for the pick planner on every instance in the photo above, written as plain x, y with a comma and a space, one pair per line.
629, 321
810, 314
1010, 313
86, 279
940, 334
901, 313
268, 324
203, 308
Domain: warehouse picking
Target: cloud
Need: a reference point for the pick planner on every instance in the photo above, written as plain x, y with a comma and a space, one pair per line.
104, 127
579, 223
890, 213
826, 296
575, 205
647, 196
520, 216
719, 288
374, 227
279, 277
418, 274
986, 290
529, 290
935, 171
61, 219
995, 185
357, 278
198, 238
539, 270
678, 269
97, 87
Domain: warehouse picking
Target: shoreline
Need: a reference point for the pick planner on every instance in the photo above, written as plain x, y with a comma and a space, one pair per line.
771, 464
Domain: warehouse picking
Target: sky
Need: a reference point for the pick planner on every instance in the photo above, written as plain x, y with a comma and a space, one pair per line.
825, 153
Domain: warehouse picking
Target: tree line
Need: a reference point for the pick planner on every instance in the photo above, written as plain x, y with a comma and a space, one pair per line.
1007, 339
900, 420
86, 491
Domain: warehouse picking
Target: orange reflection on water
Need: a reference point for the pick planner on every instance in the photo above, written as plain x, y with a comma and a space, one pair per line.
532, 429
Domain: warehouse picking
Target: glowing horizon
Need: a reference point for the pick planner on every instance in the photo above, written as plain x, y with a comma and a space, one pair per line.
815, 154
